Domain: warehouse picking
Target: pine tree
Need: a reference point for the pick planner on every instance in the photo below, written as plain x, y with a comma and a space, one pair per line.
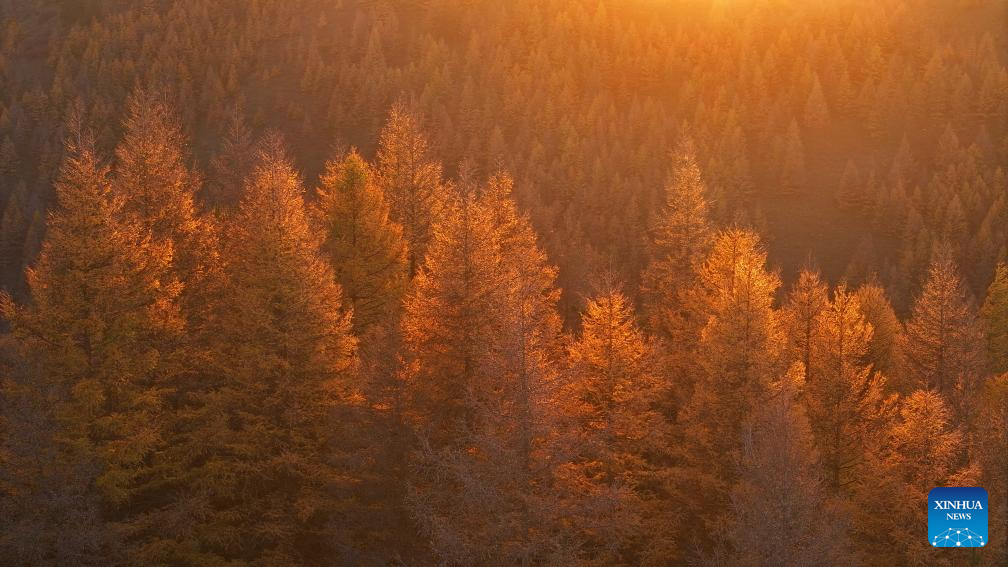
995, 314
364, 247
739, 351
781, 513
847, 404
101, 335
943, 344
264, 483
618, 485
410, 179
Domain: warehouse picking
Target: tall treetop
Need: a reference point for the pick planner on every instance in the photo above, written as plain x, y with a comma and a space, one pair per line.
365, 247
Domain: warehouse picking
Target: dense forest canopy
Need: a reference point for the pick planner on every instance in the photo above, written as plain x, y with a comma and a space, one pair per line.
483, 282
854, 135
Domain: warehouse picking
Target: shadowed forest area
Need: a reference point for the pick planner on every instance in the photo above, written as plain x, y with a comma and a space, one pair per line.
529, 282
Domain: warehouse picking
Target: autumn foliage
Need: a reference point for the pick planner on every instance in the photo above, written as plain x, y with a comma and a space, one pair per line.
551, 282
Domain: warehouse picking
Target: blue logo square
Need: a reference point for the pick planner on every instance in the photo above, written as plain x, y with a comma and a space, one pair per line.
957, 517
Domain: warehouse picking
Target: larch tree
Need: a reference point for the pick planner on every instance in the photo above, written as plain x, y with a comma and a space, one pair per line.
229, 167
369, 257
883, 348
808, 298
846, 399
451, 317
365, 248
451, 322
410, 178
943, 346
680, 241
782, 513
618, 484
922, 449
267, 477
483, 335
150, 171
995, 314
740, 349
101, 336
158, 189
520, 407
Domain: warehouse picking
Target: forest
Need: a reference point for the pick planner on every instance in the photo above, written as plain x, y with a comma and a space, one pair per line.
486, 283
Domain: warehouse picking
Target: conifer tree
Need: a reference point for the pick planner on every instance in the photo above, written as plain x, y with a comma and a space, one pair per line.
780, 505
101, 335
995, 314
410, 179
680, 241
614, 389
231, 165
365, 248
903, 166
943, 344
150, 173
886, 328
739, 351
846, 399
851, 193
158, 189
386, 528
807, 300
265, 483
483, 333
908, 465
450, 316
369, 258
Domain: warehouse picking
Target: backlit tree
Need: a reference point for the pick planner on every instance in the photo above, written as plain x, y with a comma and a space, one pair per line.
410, 178
102, 333
264, 484
365, 248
